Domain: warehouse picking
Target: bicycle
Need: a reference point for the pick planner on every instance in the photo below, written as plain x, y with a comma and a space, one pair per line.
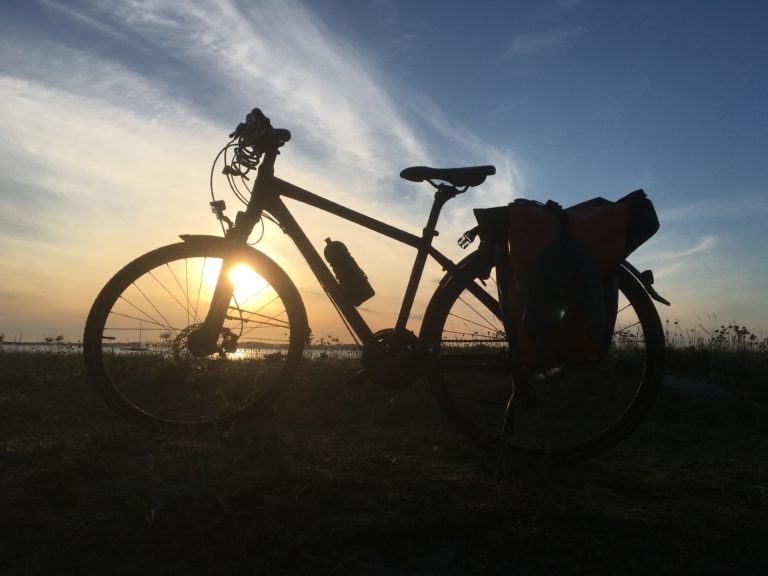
209, 331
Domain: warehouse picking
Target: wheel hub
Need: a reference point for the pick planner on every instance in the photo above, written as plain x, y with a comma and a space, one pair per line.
187, 350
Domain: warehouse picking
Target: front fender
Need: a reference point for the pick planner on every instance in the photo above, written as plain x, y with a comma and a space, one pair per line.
197, 238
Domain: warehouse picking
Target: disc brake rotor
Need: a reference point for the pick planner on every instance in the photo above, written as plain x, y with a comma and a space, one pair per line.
183, 356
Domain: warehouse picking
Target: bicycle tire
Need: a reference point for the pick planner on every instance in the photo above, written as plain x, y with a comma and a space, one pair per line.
468, 370
136, 333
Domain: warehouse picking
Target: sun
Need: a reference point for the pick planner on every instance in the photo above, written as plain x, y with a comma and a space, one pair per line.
248, 283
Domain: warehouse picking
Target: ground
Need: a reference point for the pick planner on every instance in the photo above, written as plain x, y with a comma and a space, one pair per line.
352, 479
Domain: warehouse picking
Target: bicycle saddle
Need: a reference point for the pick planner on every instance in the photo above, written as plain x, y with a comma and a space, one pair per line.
469, 176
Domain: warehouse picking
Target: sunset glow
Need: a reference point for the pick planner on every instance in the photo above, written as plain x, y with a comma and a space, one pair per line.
112, 114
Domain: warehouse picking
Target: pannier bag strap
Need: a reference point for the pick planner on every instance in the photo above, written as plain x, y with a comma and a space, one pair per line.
557, 209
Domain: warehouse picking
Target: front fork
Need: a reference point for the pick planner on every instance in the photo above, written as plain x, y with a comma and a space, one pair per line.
204, 341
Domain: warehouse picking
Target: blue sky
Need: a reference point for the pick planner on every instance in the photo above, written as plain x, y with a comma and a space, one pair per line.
112, 112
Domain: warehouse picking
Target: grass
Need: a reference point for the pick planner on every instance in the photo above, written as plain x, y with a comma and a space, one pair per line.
354, 479
730, 356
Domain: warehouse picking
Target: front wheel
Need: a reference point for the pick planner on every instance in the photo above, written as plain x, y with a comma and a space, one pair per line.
563, 412
137, 336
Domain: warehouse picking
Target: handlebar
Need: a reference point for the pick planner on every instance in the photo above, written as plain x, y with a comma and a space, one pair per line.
257, 133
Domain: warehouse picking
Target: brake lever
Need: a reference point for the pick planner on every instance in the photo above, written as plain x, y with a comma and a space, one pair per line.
254, 120
238, 130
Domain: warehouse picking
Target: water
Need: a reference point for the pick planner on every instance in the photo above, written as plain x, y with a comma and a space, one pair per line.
310, 353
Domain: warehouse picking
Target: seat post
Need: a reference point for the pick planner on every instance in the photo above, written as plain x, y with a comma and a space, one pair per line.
442, 195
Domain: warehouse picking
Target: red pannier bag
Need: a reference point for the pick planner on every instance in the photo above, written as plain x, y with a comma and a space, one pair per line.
557, 273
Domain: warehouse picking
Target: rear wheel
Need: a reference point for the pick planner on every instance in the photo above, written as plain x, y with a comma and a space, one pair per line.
137, 336
568, 411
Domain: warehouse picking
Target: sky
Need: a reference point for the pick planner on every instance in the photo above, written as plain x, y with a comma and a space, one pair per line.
111, 114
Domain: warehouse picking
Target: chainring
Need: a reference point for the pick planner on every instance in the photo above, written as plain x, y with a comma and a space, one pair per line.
395, 369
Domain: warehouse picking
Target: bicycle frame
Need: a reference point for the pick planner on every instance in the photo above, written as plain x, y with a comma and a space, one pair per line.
266, 196
468, 348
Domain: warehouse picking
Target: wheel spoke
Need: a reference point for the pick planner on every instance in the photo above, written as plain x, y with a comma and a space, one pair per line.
160, 300
151, 303
574, 410
487, 324
186, 305
160, 325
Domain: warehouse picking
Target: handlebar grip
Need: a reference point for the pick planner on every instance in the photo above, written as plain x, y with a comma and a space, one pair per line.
281, 134
257, 132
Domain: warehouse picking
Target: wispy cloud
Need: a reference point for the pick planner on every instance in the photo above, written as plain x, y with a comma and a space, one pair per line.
86, 185
85, 151
721, 207
95, 139
535, 42
456, 140
705, 243
84, 19
285, 59
278, 56
348, 119
679, 261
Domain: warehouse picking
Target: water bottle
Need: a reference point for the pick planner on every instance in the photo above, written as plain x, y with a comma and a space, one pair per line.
352, 279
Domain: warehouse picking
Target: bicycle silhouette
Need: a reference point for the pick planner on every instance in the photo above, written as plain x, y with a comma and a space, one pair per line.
210, 330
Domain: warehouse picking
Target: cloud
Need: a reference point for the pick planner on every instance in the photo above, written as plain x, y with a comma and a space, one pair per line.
536, 42
83, 156
345, 113
352, 126
676, 262
719, 208
705, 243
83, 18
108, 150
279, 57
25, 207
457, 142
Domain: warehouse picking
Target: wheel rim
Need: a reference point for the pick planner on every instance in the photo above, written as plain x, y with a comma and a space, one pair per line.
565, 409
151, 314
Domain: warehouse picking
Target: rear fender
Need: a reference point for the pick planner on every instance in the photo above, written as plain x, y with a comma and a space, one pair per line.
646, 279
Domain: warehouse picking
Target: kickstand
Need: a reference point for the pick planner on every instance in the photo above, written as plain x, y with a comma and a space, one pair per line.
523, 395
505, 453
